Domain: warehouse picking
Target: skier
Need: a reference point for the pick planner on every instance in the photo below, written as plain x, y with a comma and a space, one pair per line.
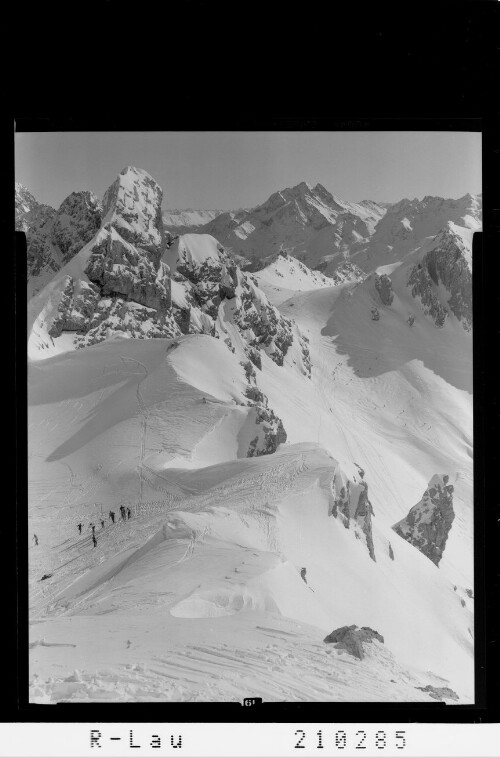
79, 527
102, 524
94, 540
112, 515
129, 513
122, 510
35, 537
91, 525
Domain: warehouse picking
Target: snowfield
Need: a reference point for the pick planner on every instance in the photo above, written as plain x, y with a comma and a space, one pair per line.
199, 596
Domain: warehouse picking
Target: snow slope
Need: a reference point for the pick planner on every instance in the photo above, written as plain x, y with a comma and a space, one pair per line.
188, 598
220, 577
284, 275
185, 221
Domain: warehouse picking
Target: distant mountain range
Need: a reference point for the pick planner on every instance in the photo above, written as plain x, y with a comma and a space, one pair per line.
309, 223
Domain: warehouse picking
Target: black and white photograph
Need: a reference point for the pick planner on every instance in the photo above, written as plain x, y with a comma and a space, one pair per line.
250, 415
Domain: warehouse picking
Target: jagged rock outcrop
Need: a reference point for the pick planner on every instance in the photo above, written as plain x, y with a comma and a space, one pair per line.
352, 638
429, 522
345, 272
76, 222
351, 504
270, 430
54, 236
422, 286
217, 294
271, 434
133, 278
125, 286
43, 256
132, 206
23, 202
447, 265
439, 692
383, 285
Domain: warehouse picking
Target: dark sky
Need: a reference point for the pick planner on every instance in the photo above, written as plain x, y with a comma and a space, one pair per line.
240, 169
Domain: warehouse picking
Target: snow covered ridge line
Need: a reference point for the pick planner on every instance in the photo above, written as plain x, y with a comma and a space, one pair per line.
310, 221
133, 279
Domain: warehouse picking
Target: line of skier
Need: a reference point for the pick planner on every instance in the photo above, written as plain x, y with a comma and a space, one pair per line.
125, 512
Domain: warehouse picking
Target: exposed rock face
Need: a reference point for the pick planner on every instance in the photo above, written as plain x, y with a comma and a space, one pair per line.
271, 435
76, 222
43, 256
24, 201
133, 278
351, 504
343, 272
447, 265
441, 693
383, 285
119, 268
428, 523
352, 638
271, 432
421, 286
129, 287
54, 237
132, 206
218, 293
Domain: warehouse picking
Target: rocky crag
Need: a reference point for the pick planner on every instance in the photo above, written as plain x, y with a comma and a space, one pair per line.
134, 279
352, 638
429, 522
351, 504
442, 280
54, 236
270, 430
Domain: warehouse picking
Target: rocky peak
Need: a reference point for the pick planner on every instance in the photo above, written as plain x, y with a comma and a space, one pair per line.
429, 522
76, 222
132, 206
149, 288
54, 237
24, 201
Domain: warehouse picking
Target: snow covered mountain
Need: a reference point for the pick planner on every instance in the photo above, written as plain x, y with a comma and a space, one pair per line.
188, 220
271, 441
54, 236
308, 222
24, 201
131, 279
286, 275
409, 224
